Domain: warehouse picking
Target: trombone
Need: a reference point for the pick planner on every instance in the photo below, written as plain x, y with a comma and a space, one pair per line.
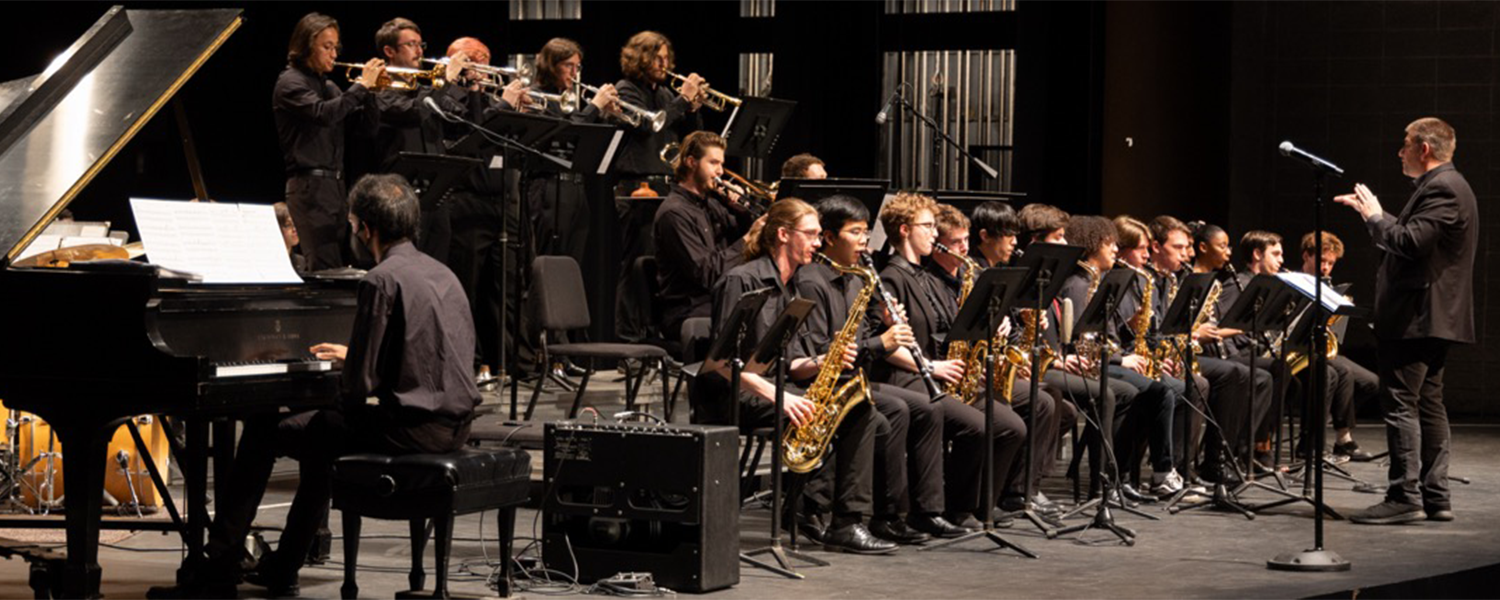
755, 196
629, 113
433, 76
712, 98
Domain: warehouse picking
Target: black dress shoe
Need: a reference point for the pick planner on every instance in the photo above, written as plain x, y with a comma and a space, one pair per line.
856, 539
937, 526
898, 531
1353, 451
1130, 493
809, 526
276, 584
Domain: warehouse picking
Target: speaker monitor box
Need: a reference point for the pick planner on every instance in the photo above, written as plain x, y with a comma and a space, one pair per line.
642, 498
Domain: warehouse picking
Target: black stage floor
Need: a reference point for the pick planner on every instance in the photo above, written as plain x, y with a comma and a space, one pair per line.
1193, 554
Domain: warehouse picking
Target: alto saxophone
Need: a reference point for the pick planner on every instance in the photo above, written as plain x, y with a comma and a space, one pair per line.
1140, 327
1016, 358
1088, 344
803, 447
973, 356
1174, 345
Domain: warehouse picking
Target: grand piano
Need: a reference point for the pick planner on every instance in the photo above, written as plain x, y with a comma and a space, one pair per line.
87, 347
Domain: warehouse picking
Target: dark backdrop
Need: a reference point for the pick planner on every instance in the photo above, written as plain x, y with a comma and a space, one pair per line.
1204, 92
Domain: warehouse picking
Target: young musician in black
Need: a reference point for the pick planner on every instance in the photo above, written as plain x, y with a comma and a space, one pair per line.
1351, 385
949, 271
910, 447
697, 232
311, 116
911, 230
780, 243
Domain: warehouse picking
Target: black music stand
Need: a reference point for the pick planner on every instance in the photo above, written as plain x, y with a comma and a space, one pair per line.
1178, 321
1266, 304
432, 175
1048, 267
755, 125
996, 289
772, 354
1300, 338
1096, 318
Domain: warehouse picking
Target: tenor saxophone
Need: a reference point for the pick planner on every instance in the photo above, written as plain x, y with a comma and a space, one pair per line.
803, 447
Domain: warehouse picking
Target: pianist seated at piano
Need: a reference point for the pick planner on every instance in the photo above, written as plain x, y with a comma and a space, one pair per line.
411, 348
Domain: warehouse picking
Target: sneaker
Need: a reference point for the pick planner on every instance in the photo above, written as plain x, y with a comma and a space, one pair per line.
1166, 484
1388, 513
1351, 451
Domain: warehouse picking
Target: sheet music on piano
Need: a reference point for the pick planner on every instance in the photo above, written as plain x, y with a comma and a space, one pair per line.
225, 243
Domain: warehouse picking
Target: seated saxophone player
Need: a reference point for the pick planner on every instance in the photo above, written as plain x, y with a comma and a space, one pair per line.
1261, 254
950, 269
780, 243
1139, 332
1351, 384
910, 228
1075, 374
1149, 416
1229, 382
909, 445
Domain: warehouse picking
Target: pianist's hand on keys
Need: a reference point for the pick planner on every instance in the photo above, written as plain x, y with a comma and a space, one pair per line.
333, 352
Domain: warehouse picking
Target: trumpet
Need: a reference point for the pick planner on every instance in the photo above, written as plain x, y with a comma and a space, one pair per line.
712, 98
433, 76
629, 113
492, 78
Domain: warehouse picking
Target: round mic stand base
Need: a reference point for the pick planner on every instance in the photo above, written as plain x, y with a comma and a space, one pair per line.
1316, 560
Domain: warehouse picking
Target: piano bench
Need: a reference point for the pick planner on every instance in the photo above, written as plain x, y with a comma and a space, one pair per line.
422, 487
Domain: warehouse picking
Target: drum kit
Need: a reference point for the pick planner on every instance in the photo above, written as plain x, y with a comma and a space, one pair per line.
31, 458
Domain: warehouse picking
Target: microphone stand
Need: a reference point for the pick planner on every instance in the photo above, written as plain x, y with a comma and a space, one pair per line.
1315, 558
938, 131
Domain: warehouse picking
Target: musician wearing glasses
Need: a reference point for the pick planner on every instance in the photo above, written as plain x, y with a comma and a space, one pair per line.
408, 125
910, 441
911, 230
697, 233
311, 115
557, 201
782, 242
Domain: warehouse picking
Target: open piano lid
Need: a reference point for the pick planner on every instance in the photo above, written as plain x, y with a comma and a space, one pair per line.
105, 88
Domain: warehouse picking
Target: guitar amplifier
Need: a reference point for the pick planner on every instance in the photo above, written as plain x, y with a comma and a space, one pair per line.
642, 498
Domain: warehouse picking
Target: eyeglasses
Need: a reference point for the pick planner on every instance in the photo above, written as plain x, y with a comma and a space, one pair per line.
420, 45
929, 225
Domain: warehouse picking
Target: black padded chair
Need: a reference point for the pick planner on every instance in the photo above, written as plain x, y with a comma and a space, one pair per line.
562, 305
419, 488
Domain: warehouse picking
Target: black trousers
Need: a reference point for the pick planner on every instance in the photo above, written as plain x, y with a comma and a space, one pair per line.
559, 217
963, 429
1117, 398
909, 453
1149, 417
1416, 421
1352, 386
478, 257
1231, 402
315, 439
320, 211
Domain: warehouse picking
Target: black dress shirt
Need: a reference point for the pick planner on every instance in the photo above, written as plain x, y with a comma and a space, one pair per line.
832, 293
311, 114
758, 274
413, 340
641, 152
697, 242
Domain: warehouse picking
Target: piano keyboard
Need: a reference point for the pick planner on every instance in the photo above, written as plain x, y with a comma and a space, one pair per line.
251, 369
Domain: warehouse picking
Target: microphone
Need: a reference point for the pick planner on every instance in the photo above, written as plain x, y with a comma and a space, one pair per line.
890, 103
1065, 328
1318, 164
432, 104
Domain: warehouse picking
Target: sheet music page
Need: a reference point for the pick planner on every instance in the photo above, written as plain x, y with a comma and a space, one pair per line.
1304, 283
225, 243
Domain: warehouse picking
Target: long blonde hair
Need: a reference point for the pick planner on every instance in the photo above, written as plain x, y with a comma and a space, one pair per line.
784, 213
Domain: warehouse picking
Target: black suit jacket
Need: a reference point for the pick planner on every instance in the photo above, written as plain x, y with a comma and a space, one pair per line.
1425, 286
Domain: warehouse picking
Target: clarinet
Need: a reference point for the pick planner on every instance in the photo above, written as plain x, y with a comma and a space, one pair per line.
925, 368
